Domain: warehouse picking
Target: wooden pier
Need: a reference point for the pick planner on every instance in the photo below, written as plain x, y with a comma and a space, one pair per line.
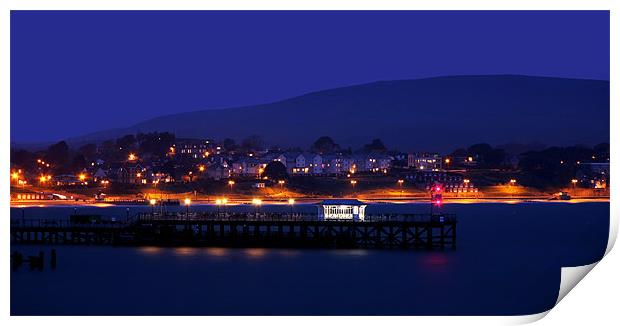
408, 231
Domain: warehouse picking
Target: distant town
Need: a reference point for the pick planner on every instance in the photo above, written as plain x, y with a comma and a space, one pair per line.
161, 166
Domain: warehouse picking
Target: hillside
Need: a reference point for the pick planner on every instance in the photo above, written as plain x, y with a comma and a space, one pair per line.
437, 114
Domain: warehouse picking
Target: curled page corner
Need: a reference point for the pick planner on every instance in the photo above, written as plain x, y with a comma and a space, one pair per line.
570, 277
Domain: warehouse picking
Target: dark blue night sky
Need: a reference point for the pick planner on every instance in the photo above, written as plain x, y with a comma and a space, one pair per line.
77, 72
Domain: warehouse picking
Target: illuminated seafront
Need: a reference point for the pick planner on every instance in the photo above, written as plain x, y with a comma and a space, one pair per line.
232, 201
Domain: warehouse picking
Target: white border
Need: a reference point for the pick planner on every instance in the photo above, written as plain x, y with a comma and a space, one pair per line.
605, 290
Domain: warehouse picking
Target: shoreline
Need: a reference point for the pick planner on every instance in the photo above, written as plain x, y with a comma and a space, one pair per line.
248, 201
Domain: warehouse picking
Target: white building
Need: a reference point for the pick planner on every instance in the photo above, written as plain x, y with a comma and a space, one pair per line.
424, 161
342, 209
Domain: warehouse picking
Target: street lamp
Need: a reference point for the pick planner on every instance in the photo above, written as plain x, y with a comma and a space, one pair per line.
400, 184
231, 183
153, 202
132, 157
281, 183
187, 202
291, 202
574, 182
257, 202
218, 202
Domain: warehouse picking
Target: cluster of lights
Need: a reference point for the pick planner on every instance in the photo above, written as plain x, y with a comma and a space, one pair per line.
40, 161
15, 174
221, 201
257, 202
45, 178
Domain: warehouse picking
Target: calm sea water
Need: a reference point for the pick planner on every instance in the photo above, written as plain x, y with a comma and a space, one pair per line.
507, 263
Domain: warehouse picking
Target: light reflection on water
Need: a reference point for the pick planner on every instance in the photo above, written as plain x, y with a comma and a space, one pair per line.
220, 252
350, 252
255, 252
150, 250
217, 251
185, 251
435, 259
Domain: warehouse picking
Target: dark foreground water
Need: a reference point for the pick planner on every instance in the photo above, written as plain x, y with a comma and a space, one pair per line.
507, 263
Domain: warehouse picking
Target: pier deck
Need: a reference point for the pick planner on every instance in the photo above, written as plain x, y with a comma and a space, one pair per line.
247, 230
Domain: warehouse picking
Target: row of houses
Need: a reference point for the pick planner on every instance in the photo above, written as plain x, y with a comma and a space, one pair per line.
219, 166
305, 163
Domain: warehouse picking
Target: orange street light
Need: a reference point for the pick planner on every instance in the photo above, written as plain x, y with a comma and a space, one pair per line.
201, 168
466, 181
132, 157
15, 175
82, 177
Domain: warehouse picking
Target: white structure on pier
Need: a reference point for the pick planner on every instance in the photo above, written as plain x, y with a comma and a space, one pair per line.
342, 209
